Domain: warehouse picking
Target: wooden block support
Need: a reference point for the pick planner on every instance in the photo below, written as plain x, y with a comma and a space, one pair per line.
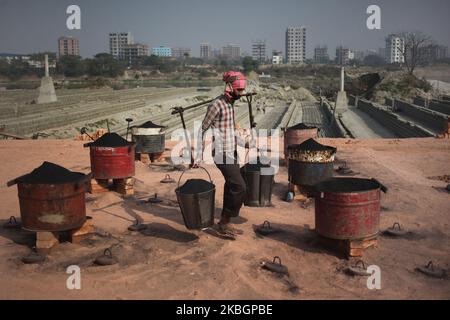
299, 193
76, 235
349, 248
157, 157
144, 158
124, 186
356, 248
46, 240
99, 185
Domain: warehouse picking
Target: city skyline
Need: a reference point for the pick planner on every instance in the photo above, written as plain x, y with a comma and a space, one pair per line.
167, 23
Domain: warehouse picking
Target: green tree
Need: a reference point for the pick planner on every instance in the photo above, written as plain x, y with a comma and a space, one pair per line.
249, 65
71, 66
152, 61
411, 52
105, 65
194, 61
15, 70
40, 56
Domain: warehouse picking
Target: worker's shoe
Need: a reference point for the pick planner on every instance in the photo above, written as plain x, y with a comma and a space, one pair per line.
229, 229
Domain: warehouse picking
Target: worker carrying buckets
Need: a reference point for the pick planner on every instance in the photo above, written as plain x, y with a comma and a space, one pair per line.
196, 197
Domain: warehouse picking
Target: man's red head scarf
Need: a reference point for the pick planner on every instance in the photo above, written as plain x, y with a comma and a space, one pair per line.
236, 80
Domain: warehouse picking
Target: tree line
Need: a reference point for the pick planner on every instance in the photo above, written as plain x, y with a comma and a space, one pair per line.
102, 64
105, 65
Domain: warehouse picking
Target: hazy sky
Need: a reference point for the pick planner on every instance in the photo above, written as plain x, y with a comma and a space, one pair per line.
34, 25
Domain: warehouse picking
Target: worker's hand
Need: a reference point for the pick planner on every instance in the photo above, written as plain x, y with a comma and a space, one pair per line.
197, 163
198, 158
264, 149
237, 126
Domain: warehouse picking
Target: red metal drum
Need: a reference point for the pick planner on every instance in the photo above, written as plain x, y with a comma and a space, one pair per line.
52, 207
348, 208
112, 162
294, 136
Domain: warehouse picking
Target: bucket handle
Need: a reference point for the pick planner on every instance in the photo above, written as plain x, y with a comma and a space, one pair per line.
430, 265
198, 167
277, 258
266, 224
358, 263
107, 252
12, 219
396, 224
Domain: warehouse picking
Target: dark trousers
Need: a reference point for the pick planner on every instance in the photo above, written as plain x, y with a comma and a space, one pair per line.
234, 190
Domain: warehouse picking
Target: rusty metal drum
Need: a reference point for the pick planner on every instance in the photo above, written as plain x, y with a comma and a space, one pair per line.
52, 207
348, 208
112, 162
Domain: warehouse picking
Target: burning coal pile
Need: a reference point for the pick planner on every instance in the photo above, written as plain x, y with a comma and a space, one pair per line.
301, 126
150, 125
50, 173
311, 151
110, 139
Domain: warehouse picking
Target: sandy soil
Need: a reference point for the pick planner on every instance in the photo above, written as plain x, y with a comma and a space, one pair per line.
167, 261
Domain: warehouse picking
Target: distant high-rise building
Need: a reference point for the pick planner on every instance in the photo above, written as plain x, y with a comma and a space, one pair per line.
259, 51
132, 52
342, 56
117, 41
162, 51
231, 51
179, 52
356, 55
432, 53
205, 51
351, 55
395, 45
216, 53
68, 46
277, 57
295, 45
321, 55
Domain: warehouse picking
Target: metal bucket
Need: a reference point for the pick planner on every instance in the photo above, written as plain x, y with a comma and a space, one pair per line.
52, 207
112, 162
149, 140
154, 143
198, 208
259, 186
348, 208
309, 173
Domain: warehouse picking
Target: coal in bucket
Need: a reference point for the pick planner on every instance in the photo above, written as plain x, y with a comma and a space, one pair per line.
259, 181
196, 198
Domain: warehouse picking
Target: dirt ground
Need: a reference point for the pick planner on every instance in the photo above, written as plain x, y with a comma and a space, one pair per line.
167, 261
